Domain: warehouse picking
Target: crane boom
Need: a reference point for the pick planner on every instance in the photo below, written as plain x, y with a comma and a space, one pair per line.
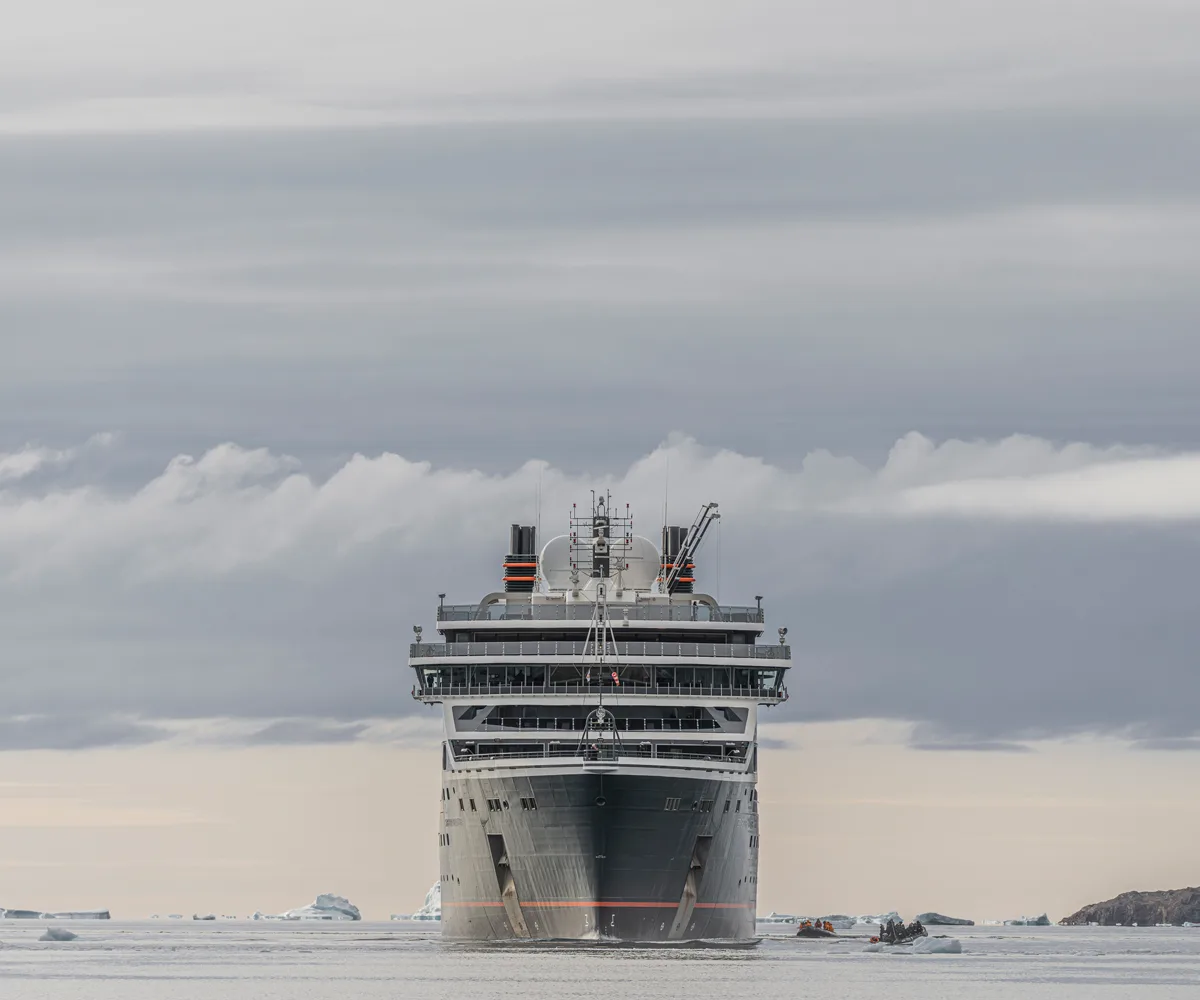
690, 545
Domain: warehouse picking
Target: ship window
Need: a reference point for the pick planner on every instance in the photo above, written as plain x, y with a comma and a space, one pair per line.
671, 805
706, 805
726, 805
461, 807
532, 803
506, 803
473, 805
738, 807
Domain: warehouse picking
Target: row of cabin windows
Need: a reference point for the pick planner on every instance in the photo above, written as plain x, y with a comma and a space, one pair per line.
494, 805
443, 840
698, 805
705, 805
628, 675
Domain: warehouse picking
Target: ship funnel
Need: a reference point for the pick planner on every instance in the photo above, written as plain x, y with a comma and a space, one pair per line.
520, 565
673, 538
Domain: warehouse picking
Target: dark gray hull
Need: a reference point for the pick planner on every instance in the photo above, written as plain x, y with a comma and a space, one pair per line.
622, 856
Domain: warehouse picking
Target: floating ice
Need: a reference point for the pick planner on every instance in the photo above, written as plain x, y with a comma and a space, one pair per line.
877, 919
431, 909
6, 914
327, 906
778, 918
938, 946
1042, 921
933, 919
58, 934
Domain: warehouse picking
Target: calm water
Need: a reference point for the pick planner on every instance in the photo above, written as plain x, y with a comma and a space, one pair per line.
228, 959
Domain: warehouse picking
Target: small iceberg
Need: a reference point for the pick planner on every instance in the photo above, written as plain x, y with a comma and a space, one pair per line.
778, 918
431, 909
204, 916
58, 934
327, 906
877, 919
1042, 921
937, 946
933, 919
6, 914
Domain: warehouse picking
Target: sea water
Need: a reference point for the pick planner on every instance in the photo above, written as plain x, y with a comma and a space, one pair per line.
152, 960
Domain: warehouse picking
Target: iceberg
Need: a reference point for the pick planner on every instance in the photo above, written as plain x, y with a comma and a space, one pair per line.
326, 906
933, 919
938, 946
78, 915
58, 934
6, 914
778, 918
1042, 921
875, 920
431, 909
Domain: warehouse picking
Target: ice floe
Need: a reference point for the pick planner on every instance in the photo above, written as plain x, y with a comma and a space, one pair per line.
58, 934
1042, 921
937, 946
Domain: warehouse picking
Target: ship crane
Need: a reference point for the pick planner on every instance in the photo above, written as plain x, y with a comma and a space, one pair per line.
690, 545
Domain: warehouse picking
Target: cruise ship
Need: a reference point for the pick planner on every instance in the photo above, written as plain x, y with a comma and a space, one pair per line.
600, 755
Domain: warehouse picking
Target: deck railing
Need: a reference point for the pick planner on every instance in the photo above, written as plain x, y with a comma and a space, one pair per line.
625, 650
435, 692
697, 612
601, 754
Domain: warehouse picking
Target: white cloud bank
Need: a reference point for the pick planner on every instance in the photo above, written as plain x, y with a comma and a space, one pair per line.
235, 508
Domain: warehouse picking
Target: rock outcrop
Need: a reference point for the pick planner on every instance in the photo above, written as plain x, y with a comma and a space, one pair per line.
1169, 906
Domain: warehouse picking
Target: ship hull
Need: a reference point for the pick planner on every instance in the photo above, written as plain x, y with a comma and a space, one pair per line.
631, 857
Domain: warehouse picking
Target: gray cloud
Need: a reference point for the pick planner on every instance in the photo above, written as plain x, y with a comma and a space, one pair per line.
1172, 744
973, 746
75, 732
238, 585
289, 731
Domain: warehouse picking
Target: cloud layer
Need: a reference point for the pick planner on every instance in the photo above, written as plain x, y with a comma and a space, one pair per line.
234, 508
952, 584
170, 65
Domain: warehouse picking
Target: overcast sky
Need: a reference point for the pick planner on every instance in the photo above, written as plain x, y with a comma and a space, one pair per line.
299, 305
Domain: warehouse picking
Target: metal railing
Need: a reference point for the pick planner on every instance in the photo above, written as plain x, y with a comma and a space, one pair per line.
602, 754
435, 692
697, 612
640, 724
543, 647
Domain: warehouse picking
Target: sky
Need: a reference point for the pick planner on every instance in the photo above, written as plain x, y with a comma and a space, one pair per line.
299, 309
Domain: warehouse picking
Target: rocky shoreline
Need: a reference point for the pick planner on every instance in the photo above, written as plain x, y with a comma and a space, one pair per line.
1145, 909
